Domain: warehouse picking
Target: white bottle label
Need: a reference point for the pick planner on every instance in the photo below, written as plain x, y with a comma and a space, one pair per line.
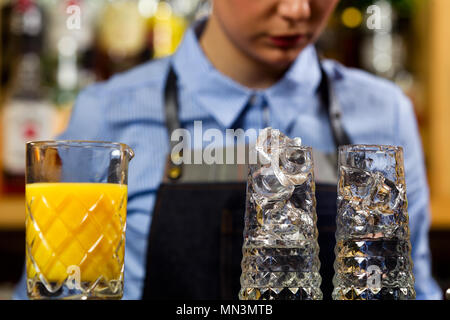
24, 121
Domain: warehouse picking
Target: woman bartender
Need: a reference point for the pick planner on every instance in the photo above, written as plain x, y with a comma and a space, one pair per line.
251, 64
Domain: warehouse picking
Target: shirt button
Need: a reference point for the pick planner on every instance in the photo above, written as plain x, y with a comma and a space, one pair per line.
255, 100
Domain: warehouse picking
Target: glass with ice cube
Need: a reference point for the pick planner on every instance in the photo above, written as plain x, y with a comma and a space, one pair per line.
280, 251
373, 249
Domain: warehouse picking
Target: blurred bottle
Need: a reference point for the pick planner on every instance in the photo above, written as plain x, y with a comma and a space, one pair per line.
383, 48
27, 114
67, 82
70, 40
69, 54
122, 38
342, 39
7, 48
202, 9
169, 24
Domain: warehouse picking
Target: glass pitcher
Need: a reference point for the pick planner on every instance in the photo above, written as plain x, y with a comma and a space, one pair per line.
76, 200
373, 249
280, 251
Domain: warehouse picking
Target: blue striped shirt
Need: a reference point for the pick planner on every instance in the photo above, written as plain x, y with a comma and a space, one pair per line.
129, 108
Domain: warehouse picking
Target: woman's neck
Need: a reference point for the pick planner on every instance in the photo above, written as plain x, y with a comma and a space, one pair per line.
234, 63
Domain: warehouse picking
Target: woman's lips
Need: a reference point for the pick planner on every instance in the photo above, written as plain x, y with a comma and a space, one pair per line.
287, 41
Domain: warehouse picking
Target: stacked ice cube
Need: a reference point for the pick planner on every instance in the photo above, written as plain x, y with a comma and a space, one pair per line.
373, 250
280, 252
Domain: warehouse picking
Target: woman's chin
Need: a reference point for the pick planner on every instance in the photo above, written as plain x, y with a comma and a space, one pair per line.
282, 61
281, 58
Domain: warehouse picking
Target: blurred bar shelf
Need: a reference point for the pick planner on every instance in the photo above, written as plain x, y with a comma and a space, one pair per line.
440, 215
12, 213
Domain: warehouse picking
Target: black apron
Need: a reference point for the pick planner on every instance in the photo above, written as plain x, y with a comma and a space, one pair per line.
196, 236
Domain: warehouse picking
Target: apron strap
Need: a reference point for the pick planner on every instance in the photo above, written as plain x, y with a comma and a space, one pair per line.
171, 101
331, 104
174, 171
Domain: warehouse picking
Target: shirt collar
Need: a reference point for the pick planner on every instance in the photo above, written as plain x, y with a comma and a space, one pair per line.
225, 99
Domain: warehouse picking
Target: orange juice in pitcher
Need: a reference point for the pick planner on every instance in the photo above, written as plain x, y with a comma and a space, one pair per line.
75, 239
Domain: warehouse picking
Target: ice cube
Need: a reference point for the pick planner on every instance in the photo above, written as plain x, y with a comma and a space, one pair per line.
286, 214
269, 143
292, 224
356, 183
293, 165
268, 188
295, 142
290, 164
303, 196
387, 196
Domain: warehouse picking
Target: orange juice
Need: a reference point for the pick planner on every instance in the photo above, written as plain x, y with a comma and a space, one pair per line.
78, 225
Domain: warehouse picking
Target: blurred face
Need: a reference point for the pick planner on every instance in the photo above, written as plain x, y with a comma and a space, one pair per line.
273, 32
